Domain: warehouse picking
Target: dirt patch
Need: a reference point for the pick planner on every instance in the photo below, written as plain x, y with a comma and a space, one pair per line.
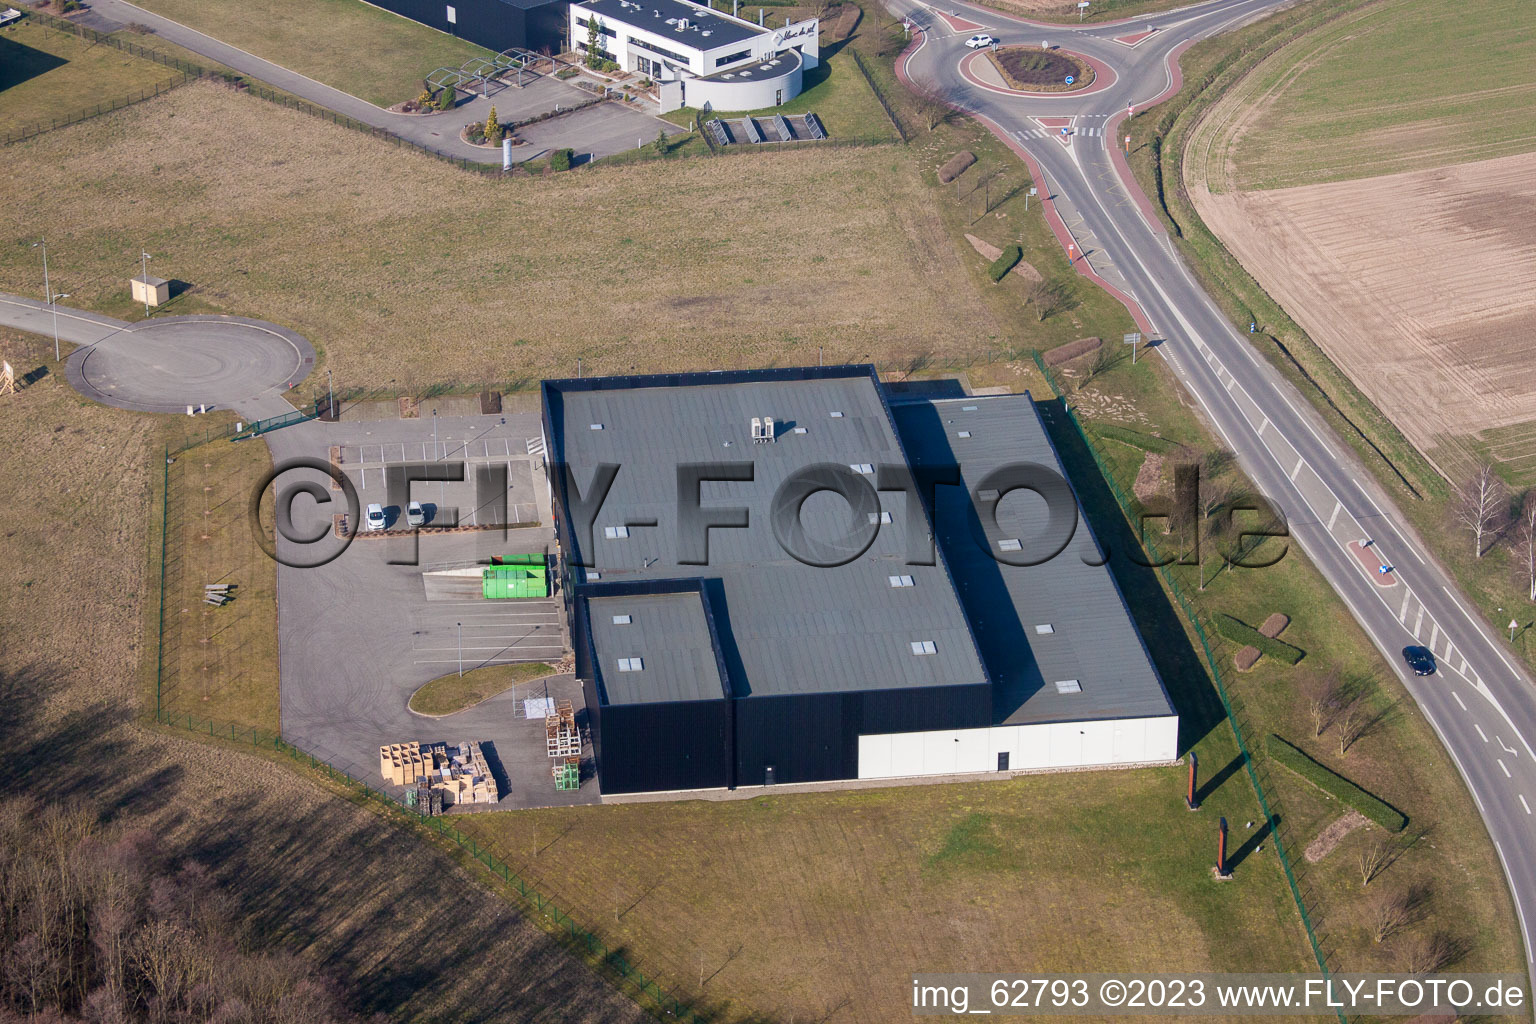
1032, 69
1331, 836
1149, 478
1421, 286
1275, 624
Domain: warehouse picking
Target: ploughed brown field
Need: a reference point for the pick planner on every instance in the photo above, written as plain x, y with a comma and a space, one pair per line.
1420, 285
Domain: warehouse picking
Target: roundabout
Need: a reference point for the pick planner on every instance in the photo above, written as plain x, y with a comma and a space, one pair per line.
168, 364
1037, 73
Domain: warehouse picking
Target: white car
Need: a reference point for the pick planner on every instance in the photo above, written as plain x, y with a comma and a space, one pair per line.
375, 517
415, 515
978, 42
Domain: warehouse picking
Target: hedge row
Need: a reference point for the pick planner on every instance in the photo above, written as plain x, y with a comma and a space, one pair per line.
956, 165
1240, 632
1136, 439
1336, 785
1004, 263
1071, 350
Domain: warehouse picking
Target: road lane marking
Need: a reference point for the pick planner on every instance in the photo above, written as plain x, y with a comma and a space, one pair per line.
1459, 700
1418, 622
1506, 770
1402, 613
1434, 636
1507, 749
1299, 464
1336, 506
1480, 731
1478, 627
1524, 804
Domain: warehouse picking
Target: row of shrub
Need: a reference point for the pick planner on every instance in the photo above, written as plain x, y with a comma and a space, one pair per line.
1336, 785
1137, 439
1240, 632
1006, 261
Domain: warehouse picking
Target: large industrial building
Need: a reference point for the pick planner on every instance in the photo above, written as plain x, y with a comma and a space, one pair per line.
537, 25
698, 56
777, 648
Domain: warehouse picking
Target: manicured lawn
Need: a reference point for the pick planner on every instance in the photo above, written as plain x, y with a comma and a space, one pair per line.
360, 49
48, 75
835, 92
453, 692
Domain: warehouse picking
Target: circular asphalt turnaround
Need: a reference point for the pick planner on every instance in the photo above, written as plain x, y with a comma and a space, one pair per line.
166, 365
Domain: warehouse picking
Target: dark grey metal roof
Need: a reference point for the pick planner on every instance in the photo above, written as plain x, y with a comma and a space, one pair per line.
797, 628
670, 636
654, 15
1092, 639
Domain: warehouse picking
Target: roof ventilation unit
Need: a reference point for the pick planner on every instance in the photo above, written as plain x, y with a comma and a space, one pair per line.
768, 430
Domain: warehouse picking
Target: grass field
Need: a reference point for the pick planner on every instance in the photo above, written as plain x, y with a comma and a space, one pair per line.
352, 46
388, 262
47, 75
219, 662
453, 692
1401, 85
821, 906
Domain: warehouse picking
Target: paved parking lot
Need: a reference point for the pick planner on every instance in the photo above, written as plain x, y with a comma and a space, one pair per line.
360, 633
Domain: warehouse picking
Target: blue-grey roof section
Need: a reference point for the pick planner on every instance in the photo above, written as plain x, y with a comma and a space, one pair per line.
707, 29
670, 636
1091, 637
796, 628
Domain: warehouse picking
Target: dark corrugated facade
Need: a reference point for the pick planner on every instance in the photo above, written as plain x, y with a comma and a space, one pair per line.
493, 24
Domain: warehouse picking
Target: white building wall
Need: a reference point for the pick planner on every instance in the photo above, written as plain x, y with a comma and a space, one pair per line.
1037, 747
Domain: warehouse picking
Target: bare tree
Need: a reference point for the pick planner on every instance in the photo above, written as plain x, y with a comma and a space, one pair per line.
1481, 503
1324, 695
1353, 720
1373, 859
931, 108
1049, 298
1393, 910
1097, 361
1425, 954
1525, 539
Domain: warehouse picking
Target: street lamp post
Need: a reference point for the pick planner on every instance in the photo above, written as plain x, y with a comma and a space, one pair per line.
53, 300
435, 456
330, 396
144, 273
461, 650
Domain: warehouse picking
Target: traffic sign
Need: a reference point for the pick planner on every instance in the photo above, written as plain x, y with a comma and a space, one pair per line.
1070, 79
1065, 131
1132, 339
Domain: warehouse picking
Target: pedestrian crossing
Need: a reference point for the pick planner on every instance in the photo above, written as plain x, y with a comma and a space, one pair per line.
1042, 133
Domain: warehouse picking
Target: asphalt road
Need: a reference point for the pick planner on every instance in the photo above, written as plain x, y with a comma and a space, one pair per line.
598, 131
1480, 703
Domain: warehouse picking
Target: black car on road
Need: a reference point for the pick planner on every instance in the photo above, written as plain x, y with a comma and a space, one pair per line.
1420, 659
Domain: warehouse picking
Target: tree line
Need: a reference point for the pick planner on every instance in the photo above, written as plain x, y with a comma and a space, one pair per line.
98, 926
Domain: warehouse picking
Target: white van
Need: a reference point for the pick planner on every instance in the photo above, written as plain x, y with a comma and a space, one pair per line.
375, 517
